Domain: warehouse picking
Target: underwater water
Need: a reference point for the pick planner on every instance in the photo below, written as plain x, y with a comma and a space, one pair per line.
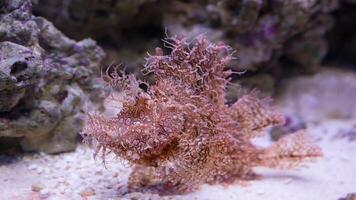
183, 99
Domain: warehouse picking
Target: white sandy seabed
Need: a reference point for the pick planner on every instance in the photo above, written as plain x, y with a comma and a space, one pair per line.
77, 175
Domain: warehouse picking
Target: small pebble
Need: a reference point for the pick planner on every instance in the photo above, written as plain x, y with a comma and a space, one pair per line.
61, 179
37, 187
39, 170
45, 193
82, 176
109, 186
42, 154
74, 177
65, 183
89, 191
47, 171
99, 172
32, 167
61, 189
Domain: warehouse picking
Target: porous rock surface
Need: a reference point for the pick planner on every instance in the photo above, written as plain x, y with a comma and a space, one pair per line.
265, 33
47, 80
274, 39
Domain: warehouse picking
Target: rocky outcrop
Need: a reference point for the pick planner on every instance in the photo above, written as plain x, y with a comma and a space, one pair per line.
273, 39
265, 33
46, 80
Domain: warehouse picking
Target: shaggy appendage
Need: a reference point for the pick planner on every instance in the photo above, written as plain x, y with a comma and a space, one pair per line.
180, 133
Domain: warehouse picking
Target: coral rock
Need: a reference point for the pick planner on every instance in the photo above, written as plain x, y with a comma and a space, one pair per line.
45, 80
